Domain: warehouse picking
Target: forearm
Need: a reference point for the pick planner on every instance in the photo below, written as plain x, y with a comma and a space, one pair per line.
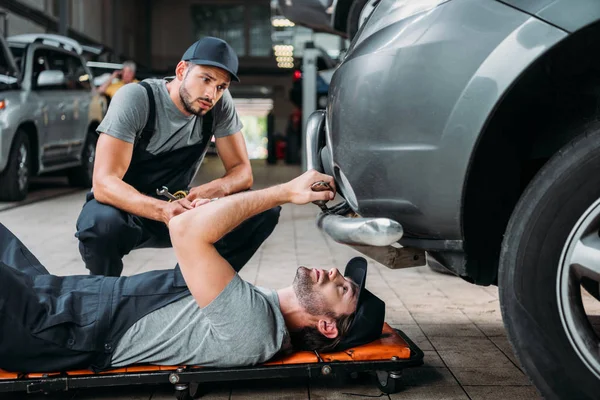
237, 179
102, 88
113, 191
212, 221
194, 233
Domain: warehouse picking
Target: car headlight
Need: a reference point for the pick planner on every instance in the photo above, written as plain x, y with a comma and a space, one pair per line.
390, 11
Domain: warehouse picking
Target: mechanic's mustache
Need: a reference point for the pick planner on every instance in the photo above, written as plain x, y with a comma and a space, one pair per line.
205, 99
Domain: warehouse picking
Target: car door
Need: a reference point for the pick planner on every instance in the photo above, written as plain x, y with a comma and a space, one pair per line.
50, 99
66, 131
80, 88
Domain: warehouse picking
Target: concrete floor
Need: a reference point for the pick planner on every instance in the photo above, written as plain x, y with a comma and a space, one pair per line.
456, 324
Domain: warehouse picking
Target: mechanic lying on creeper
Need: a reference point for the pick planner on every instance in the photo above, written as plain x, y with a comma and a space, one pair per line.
200, 313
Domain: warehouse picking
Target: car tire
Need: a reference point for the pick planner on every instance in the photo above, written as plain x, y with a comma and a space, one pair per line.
14, 180
354, 17
82, 175
531, 268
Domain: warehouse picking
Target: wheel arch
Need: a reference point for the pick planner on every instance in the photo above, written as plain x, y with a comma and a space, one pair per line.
92, 126
31, 130
548, 105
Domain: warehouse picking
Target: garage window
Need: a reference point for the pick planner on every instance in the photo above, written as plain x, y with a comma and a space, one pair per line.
246, 27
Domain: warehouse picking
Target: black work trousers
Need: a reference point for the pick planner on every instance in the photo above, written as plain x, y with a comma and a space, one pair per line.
106, 234
21, 312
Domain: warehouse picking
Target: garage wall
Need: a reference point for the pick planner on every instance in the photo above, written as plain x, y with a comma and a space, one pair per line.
121, 26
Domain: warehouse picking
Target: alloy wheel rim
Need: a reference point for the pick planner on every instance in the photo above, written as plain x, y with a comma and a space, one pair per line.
22, 167
580, 262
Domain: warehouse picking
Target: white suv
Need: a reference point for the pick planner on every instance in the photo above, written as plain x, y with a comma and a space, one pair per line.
48, 112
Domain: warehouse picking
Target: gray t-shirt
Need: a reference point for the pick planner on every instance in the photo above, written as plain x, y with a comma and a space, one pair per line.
129, 109
242, 326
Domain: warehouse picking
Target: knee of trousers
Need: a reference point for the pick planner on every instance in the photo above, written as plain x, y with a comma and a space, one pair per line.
268, 222
271, 216
102, 223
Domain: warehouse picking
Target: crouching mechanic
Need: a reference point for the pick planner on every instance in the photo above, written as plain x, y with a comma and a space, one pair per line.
200, 313
155, 134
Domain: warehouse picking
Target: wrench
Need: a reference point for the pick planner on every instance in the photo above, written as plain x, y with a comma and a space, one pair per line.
320, 187
165, 192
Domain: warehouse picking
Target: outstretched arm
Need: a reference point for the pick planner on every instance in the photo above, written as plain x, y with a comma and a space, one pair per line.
194, 233
238, 171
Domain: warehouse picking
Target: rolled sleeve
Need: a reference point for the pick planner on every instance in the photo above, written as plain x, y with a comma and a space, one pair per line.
127, 113
227, 120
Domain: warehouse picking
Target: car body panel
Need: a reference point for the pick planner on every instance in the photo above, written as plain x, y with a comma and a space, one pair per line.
570, 15
416, 105
9, 77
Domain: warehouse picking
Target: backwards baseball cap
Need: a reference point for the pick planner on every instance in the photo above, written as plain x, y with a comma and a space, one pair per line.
214, 52
370, 310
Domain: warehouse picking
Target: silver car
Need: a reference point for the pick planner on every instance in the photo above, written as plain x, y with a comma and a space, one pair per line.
467, 131
48, 113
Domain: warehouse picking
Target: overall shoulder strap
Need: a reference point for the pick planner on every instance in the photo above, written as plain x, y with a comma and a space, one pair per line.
207, 133
148, 130
207, 128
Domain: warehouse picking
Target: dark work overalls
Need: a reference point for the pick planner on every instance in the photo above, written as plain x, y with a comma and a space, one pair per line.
57, 323
106, 233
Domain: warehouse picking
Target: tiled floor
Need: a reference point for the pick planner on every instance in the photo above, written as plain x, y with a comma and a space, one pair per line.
457, 325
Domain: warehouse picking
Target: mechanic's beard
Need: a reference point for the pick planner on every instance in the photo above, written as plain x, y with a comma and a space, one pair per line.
311, 300
188, 104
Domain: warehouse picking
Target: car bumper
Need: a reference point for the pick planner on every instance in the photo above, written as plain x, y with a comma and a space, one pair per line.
407, 105
374, 237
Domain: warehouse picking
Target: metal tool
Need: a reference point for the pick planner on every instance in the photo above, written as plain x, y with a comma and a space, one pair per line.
165, 192
321, 186
318, 356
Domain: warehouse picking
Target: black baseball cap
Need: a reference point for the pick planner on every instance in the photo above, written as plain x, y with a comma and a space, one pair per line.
370, 309
215, 52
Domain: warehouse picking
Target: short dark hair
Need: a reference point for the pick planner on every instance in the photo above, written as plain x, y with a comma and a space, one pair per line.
309, 338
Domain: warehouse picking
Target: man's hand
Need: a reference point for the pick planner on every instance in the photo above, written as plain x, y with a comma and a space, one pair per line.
299, 190
208, 191
174, 208
200, 202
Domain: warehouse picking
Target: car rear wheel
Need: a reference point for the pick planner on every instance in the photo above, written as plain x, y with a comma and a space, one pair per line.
82, 176
550, 252
353, 22
14, 180
359, 12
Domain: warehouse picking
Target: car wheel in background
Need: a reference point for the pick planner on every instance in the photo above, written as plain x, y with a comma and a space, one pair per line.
552, 246
82, 175
352, 23
14, 180
359, 12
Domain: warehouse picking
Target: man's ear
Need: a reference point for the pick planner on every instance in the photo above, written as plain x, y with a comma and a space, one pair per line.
180, 70
328, 328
